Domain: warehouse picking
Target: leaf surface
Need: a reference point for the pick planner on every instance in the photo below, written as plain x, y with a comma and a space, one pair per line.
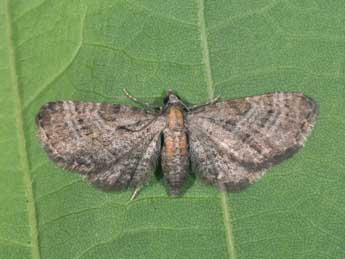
91, 50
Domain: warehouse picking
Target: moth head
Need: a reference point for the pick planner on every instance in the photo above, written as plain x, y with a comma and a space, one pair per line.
172, 98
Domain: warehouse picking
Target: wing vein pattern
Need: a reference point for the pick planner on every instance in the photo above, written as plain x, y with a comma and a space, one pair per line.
233, 142
113, 145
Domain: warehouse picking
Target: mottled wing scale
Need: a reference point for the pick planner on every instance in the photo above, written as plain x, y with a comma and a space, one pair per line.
233, 142
114, 145
230, 144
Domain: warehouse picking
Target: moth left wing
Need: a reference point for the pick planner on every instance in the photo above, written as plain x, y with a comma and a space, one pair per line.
114, 145
233, 142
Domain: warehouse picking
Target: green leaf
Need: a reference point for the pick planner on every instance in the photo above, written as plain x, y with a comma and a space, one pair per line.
90, 50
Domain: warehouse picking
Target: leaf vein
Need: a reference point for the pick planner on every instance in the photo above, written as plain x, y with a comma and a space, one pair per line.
59, 73
210, 88
230, 19
228, 226
167, 17
62, 188
205, 48
80, 212
140, 230
128, 55
22, 149
8, 242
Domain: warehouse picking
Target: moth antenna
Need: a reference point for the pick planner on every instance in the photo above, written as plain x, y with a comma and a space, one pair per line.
185, 106
134, 99
212, 101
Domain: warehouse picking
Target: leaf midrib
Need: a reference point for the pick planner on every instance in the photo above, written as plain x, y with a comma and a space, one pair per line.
210, 90
23, 155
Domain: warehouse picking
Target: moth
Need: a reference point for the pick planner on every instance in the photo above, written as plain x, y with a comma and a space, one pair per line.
229, 144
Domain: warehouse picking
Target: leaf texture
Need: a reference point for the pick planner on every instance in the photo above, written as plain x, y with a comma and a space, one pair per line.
91, 50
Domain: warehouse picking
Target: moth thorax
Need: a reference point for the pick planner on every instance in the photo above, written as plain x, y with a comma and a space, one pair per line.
175, 117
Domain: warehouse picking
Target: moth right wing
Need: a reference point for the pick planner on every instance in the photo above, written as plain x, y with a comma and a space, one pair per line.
114, 145
233, 142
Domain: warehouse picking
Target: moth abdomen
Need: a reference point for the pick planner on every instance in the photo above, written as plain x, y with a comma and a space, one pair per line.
175, 154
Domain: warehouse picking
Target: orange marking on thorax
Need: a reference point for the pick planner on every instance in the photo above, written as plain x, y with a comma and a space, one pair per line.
176, 141
175, 118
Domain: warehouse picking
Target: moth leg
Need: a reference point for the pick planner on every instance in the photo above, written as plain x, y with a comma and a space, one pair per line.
135, 193
134, 99
212, 101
